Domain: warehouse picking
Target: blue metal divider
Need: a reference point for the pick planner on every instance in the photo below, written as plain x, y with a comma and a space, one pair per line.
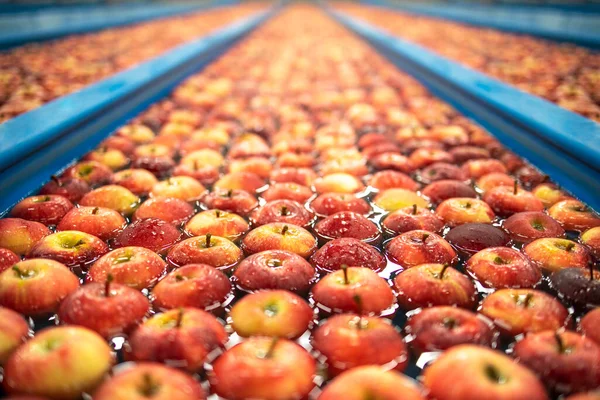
563, 144
40, 143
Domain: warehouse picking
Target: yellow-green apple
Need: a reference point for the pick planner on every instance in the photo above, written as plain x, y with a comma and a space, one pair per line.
553, 254
338, 183
114, 197
72, 248
394, 199
19, 235
112, 158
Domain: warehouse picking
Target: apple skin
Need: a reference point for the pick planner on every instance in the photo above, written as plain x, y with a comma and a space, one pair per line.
71, 188
576, 368
219, 252
591, 239
464, 210
287, 191
332, 293
188, 345
219, 223
71, 248
194, 285
47, 209
513, 314
58, 363
331, 203
417, 247
180, 187
14, 330
242, 180
505, 202
89, 307
348, 341
136, 267
347, 224
165, 383
19, 235
285, 211
527, 226
549, 194
274, 269
552, 254
413, 218
421, 286
595, 395
347, 251
139, 181
495, 179
478, 168
577, 287
114, 197
338, 183
152, 233
471, 238
390, 179
101, 222
503, 267
445, 189
161, 167
492, 376
236, 201
8, 259
362, 382
421, 158
92, 172
44, 285
273, 313
169, 209
441, 171
442, 327
393, 199
280, 236
299, 176
245, 372
589, 325
573, 215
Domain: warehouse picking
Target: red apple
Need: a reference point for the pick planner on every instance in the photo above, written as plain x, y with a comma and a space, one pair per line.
412, 218
330, 203
287, 191
19, 235
591, 239
101, 222
551, 254
573, 215
441, 190
285, 211
220, 223
389, 179
72, 248
92, 172
503, 267
236, 201
14, 330
215, 251
530, 225
47, 209
139, 181
347, 224
72, 189
154, 234
8, 259
506, 200
169, 209
470, 238
280, 236
420, 247
350, 252
589, 325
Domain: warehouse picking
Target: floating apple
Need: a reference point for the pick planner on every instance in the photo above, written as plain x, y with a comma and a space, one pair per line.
14, 330
215, 251
114, 197
47, 209
347, 224
464, 210
280, 236
284, 211
503, 267
101, 222
20, 236
152, 233
395, 199
551, 254
573, 215
72, 248
287, 191
8, 259
470, 238
139, 181
235, 201
72, 189
577, 286
589, 325
417, 247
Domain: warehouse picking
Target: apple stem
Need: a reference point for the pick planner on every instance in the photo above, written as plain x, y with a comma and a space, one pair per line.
149, 388
208, 236
528, 299
443, 271
229, 192
285, 229
359, 304
591, 271
414, 210
345, 271
109, 279
95, 210
179, 278
179, 319
22, 274
56, 180
515, 187
196, 165
272, 347
570, 247
218, 213
284, 211
559, 342
425, 236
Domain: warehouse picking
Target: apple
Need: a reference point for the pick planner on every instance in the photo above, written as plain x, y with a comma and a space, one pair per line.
273, 313
216, 251
137, 132
47, 209
478, 168
594, 395
169, 209
462, 154
219, 223
371, 382
530, 225
470, 238
395, 199
412, 218
428, 285
92, 172
194, 285
112, 158
423, 157
280, 236
153, 150
549, 194
347, 224
71, 248
506, 201
8, 259
136, 267
492, 375
530, 176
417, 247
392, 161
573, 215
263, 368
205, 174
591, 239
390, 179
150, 380
161, 167
20, 236
184, 337
284, 211
101, 222
330, 203
14, 330
441, 171
299, 176
495, 179
463, 210
114, 197
287, 191
139, 181
180, 187
334, 293
260, 166
274, 269
565, 361
503, 267
577, 286
58, 363
347, 341
519, 311
445, 189
243, 180
72, 189
588, 325
235, 201
108, 309
152, 233
338, 183
121, 143
442, 327
553, 254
